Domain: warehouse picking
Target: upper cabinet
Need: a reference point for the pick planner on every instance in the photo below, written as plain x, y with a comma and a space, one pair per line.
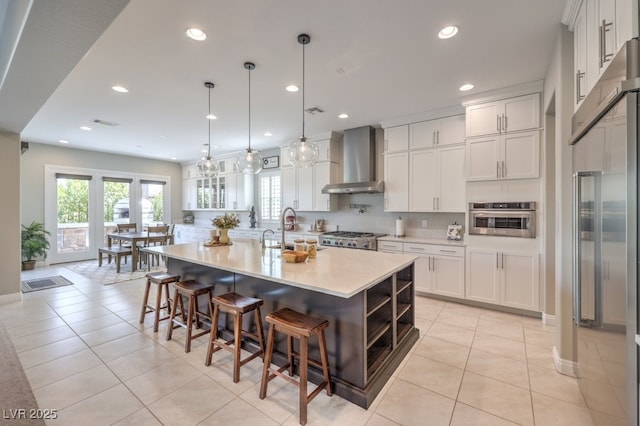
503, 116
600, 28
396, 139
512, 156
432, 133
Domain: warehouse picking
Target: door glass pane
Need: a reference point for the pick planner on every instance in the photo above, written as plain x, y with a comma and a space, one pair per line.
152, 203
72, 231
116, 205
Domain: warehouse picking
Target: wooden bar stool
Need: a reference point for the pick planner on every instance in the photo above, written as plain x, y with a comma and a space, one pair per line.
299, 326
162, 280
236, 305
190, 289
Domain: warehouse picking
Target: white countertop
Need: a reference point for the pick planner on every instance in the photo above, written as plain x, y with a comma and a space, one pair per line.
439, 241
336, 271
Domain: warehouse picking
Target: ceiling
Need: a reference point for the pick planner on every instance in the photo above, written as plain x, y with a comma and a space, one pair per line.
375, 60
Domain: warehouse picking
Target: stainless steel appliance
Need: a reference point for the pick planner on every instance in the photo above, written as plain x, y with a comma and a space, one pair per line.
605, 158
356, 240
507, 219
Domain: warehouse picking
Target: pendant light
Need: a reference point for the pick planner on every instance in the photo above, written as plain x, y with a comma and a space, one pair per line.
303, 152
250, 160
207, 167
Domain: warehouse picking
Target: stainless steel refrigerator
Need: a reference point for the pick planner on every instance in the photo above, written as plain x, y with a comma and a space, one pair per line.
605, 181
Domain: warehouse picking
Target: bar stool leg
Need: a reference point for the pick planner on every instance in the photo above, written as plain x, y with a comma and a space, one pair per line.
325, 361
213, 334
237, 331
187, 343
156, 317
304, 353
145, 300
176, 296
260, 330
290, 354
267, 361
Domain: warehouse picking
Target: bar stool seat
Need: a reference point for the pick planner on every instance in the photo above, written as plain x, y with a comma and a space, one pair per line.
236, 305
300, 326
190, 289
162, 280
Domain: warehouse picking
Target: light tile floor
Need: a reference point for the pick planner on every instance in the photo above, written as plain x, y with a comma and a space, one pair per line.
86, 355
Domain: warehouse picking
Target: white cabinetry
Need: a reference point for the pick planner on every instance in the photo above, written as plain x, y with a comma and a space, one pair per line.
239, 194
396, 139
506, 115
443, 131
396, 182
296, 185
504, 278
439, 269
437, 180
511, 156
600, 29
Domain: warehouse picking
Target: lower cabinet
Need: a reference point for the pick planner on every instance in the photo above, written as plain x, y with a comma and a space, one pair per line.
503, 277
439, 269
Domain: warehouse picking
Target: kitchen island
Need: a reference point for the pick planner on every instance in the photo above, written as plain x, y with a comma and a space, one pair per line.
367, 297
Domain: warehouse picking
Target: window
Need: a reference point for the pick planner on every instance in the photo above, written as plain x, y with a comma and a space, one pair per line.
270, 203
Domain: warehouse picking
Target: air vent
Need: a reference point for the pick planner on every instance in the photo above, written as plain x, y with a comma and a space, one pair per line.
314, 110
104, 123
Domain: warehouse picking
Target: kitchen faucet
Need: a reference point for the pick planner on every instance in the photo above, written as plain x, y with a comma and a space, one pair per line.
263, 240
295, 219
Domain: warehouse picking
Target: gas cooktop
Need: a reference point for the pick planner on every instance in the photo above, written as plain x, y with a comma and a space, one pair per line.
350, 239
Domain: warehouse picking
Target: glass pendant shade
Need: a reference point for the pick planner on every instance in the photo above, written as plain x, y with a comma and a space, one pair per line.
207, 167
303, 152
250, 162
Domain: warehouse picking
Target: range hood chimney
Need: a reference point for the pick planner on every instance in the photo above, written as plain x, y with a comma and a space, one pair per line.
358, 161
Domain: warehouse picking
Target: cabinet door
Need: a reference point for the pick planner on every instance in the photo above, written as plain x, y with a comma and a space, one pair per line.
305, 188
423, 134
284, 157
452, 130
520, 287
482, 280
396, 139
593, 43
423, 181
608, 25
396, 182
580, 56
624, 12
521, 113
482, 161
448, 275
422, 272
521, 153
324, 150
188, 194
322, 177
483, 119
451, 179
288, 187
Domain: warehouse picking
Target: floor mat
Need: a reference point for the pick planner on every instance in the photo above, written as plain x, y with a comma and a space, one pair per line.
106, 274
44, 283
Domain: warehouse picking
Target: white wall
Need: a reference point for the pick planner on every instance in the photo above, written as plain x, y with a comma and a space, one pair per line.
559, 86
10, 256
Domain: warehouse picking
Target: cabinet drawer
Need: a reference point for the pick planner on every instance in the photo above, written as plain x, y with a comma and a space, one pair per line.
390, 246
417, 248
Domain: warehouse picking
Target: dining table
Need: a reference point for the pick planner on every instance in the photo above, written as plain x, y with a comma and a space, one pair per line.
134, 238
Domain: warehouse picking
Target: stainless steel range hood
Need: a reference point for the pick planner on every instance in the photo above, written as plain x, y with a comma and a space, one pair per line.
359, 161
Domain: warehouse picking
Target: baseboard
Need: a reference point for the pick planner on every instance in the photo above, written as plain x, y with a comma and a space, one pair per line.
548, 319
10, 298
564, 366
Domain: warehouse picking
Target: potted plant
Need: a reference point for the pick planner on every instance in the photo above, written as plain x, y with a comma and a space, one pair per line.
224, 223
34, 244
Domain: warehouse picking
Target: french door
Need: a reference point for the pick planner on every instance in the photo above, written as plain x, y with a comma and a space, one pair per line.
82, 206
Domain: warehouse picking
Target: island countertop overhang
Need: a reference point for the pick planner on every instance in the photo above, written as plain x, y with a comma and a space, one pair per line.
335, 271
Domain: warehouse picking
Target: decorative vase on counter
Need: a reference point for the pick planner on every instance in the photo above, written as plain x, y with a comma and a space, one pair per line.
224, 236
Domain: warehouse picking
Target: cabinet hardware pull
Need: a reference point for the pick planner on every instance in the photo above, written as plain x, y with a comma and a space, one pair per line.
502, 255
498, 123
497, 169
430, 261
606, 57
438, 137
579, 76
438, 203
433, 203
447, 251
434, 141
386, 144
504, 122
497, 256
504, 170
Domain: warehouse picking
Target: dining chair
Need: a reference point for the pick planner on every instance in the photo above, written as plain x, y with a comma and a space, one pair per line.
156, 236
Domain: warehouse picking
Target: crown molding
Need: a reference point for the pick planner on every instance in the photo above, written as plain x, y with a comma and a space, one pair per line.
504, 93
570, 12
423, 116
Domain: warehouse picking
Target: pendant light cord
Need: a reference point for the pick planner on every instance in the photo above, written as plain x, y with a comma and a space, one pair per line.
209, 120
249, 150
303, 89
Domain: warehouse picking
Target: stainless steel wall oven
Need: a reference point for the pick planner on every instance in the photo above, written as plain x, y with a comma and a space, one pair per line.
507, 219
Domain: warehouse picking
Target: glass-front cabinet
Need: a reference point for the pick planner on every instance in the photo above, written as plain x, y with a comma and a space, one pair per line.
210, 193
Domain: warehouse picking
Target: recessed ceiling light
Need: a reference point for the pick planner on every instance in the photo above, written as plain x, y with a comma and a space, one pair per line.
448, 32
267, 134
465, 87
292, 88
196, 34
120, 89
343, 115
87, 128
212, 117
204, 151
63, 141
173, 158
